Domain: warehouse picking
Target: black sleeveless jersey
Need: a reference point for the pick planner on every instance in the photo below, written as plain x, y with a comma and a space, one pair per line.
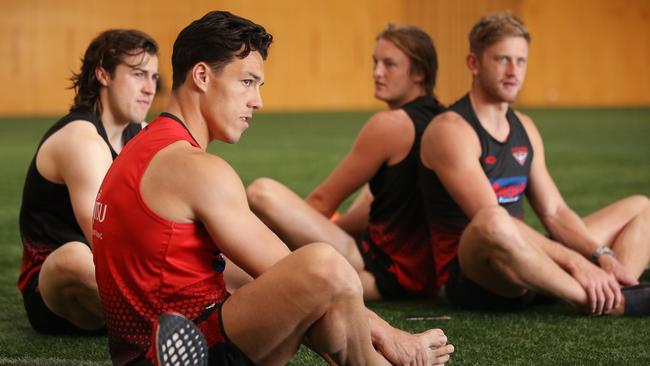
506, 164
46, 217
397, 223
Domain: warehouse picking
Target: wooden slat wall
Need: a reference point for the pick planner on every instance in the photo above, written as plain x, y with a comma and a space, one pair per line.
588, 52
584, 52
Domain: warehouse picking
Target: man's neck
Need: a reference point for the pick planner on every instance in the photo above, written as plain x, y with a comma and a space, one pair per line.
490, 112
180, 107
487, 108
114, 128
409, 97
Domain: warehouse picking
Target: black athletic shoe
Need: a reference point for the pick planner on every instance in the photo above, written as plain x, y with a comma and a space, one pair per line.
637, 299
179, 342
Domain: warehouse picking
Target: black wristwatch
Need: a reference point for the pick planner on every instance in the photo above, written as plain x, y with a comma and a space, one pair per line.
601, 251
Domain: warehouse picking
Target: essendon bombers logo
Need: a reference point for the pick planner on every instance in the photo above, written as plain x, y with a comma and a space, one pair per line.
520, 153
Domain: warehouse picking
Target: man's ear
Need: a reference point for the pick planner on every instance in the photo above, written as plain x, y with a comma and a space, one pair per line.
102, 76
472, 62
417, 76
201, 75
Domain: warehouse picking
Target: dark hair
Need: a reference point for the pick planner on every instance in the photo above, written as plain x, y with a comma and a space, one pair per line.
493, 28
419, 48
107, 51
216, 39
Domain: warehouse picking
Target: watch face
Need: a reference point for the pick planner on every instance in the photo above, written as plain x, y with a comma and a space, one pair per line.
604, 250
600, 251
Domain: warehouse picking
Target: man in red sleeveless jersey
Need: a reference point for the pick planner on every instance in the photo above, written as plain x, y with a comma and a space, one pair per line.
479, 159
170, 210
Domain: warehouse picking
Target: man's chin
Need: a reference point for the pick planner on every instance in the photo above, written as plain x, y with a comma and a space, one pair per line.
381, 97
138, 118
508, 97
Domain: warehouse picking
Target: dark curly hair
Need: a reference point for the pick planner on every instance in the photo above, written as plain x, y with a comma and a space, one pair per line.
216, 39
107, 51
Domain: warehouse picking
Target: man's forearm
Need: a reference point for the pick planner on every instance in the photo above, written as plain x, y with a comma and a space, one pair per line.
560, 254
568, 228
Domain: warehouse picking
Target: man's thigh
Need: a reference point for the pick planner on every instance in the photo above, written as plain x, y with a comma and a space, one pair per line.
606, 223
490, 261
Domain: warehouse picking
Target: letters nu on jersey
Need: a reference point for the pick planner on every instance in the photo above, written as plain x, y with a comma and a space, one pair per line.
509, 189
99, 212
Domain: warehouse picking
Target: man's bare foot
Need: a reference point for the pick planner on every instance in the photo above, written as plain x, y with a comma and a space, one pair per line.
436, 341
427, 348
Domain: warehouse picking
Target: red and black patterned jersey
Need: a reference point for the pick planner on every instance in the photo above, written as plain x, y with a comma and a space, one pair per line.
397, 224
47, 220
506, 165
144, 263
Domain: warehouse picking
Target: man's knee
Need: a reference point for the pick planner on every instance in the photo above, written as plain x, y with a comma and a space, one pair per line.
328, 272
70, 263
642, 201
495, 229
260, 192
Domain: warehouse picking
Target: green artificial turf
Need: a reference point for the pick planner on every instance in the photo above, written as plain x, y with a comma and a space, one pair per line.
596, 156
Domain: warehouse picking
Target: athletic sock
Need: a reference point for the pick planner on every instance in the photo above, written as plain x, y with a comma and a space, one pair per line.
637, 299
179, 342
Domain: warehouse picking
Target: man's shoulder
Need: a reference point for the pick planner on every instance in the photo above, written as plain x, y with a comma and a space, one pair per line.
526, 121
76, 136
449, 116
390, 121
449, 129
522, 116
389, 115
450, 122
200, 177
183, 160
75, 150
78, 133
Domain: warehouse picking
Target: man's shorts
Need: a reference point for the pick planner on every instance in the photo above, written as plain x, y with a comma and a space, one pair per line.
221, 351
466, 294
378, 263
43, 320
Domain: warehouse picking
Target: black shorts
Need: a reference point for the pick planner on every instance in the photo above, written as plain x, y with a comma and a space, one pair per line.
377, 262
222, 353
466, 294
227, 354
43, 320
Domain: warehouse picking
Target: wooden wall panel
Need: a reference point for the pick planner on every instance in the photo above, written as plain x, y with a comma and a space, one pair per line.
588, 52
584, 52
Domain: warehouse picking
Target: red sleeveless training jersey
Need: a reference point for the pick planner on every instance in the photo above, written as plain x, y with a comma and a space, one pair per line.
145, 264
